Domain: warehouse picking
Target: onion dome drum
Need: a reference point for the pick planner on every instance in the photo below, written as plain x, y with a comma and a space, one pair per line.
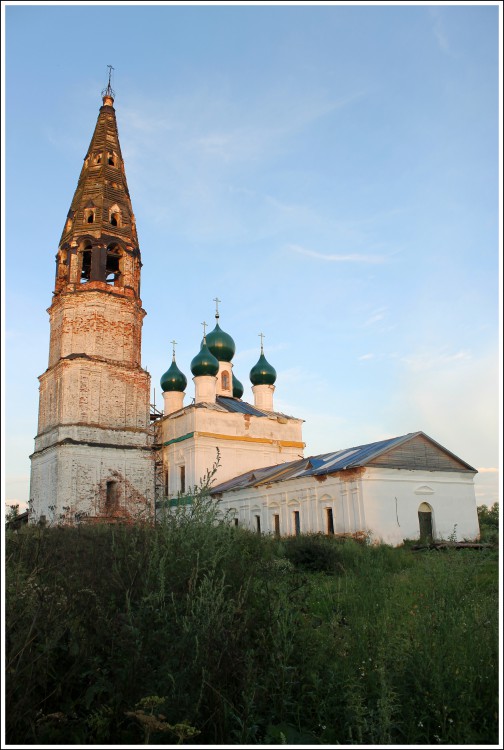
237, 388
221, 344
173, 379
263, 373
204, 363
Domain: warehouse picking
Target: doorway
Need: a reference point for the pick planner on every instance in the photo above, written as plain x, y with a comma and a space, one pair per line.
425, 522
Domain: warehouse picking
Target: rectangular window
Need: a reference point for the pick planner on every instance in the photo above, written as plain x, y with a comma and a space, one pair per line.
276, 520
258, 524
330, 521
297, 523
166, 482
235, 521
182, 478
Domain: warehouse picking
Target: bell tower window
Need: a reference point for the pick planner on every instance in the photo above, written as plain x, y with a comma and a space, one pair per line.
97, 159
86, 264
111, 160
90, 215
113, 268
115, 216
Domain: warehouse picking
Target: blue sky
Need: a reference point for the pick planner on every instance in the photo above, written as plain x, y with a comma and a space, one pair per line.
331, 173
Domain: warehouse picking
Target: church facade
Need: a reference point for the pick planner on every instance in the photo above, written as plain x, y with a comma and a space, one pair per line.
101, 454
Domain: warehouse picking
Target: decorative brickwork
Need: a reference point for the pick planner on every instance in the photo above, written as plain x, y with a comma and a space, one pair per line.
93, 455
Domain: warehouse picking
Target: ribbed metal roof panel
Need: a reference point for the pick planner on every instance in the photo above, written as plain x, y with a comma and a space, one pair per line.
237, 405
312, 466
242, 407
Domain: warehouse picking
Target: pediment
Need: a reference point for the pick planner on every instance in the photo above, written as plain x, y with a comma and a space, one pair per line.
424, 489
419, 451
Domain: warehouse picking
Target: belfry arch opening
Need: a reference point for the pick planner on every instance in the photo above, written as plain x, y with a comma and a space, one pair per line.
86, 253
113, 270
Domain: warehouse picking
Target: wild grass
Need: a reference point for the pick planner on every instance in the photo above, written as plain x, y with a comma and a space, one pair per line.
197, 632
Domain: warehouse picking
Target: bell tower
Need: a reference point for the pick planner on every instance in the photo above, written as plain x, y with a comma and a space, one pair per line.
93, 456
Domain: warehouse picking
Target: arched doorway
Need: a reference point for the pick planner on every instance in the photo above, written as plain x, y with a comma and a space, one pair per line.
425, 522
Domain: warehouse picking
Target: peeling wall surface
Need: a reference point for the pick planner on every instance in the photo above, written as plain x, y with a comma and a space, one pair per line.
383, 503
93, 454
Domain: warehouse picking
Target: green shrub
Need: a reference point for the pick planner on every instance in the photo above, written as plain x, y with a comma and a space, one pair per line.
489, 523
315, 553
199, 632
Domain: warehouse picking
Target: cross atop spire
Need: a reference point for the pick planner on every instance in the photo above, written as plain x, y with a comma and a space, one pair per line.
204, 329
262, 337
109, 91
173, 344
217, 300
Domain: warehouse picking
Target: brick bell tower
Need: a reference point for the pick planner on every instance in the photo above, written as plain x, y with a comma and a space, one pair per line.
93, 452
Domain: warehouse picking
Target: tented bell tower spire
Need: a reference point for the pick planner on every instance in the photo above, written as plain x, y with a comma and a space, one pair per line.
99, 241
92, 451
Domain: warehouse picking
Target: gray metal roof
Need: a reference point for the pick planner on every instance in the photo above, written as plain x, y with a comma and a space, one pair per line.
233, 405
242, 407
324, 463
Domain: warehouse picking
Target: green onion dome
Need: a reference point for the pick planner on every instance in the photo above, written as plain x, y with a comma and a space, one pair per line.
204, 363
262, 373
173, 379
237, 388
221, 344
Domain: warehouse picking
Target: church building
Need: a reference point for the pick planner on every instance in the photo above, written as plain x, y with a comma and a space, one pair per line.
102, 453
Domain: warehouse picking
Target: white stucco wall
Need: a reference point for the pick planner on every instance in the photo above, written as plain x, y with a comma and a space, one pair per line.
245, 442
392, 498
380, 502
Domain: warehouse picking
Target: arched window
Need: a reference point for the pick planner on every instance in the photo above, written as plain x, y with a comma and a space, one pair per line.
115, 216
90, 215
111, 159
97, 159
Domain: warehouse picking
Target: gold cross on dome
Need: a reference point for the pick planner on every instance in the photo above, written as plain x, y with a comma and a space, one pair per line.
204, 328
173, 344
262, 337
217, 300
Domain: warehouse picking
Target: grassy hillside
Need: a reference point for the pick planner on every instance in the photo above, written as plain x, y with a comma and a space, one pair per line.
199, 633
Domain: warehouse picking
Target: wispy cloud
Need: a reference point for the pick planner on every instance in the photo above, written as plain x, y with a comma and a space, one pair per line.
435, 360
438, 29
488, 470
376, 316
366, 356
337, 257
